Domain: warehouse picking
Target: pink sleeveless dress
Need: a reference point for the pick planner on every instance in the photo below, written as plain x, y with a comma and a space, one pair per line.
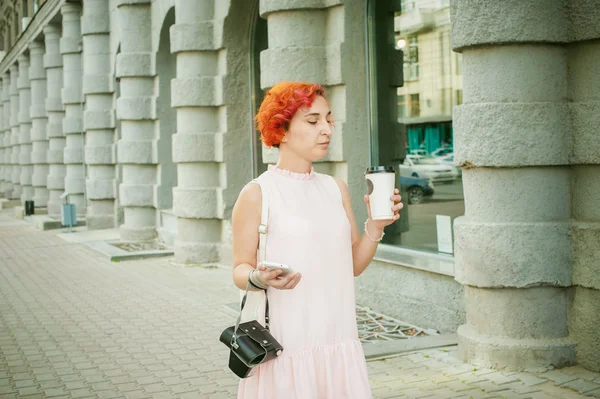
316, 321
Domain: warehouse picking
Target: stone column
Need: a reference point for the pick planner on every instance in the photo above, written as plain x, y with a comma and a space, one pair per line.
584, 94
39, 154
513, 251
7, 188
14, 137
98, 118
137, 152
53, 64
3, 165
71, 46
25, 129
305, 44
197, 95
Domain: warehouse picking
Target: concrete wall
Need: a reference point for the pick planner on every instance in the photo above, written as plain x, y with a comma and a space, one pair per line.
426, 299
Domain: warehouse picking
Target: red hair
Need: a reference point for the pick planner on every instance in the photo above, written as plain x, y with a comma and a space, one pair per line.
279, 107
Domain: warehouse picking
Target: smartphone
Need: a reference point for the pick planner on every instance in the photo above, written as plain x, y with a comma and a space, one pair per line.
285, 269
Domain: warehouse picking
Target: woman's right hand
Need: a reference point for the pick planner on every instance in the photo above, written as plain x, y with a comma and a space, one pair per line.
272, 279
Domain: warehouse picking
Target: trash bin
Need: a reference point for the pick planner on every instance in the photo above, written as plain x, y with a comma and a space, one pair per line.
68, 212
29, 208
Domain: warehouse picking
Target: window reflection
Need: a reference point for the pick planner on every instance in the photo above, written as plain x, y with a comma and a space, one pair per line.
431, 183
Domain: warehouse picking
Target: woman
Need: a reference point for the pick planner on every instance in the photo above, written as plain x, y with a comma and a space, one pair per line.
311, 229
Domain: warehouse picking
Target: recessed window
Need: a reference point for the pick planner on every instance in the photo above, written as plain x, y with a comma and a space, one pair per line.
431, 184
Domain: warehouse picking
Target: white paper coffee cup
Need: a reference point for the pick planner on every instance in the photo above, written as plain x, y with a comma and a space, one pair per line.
381, 181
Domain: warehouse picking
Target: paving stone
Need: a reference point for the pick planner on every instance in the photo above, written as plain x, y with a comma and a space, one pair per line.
582, 386
94, 328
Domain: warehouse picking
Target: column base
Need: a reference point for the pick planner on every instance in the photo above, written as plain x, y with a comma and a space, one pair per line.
100, 222
515, 354
137, 234
7, 204
189, 253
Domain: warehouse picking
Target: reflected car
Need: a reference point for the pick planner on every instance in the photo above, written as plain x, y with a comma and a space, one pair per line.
449, 160
421, 152
428, 168
417, 189
442, 151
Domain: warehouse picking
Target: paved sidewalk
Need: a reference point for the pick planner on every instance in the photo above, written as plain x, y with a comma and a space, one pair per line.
74, 325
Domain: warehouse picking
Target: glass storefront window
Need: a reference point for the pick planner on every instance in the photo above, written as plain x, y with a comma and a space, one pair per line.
431, 184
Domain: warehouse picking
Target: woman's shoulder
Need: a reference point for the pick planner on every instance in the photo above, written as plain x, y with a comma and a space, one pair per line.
250, 195
336, 184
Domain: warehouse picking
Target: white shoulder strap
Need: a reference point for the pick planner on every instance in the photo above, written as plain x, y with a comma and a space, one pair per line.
255, 300
264, 220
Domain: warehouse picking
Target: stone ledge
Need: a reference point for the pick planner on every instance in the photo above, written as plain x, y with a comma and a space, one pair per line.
509, 21
125, 3
584, 16
98, 84
533, 355
135, 65
196, 37
310, 64
42, 222
270, 6
8, 203
101, 189
95, 24
514, 263
547, 125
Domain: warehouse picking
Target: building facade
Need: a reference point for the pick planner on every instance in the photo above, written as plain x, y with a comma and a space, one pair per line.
141, 111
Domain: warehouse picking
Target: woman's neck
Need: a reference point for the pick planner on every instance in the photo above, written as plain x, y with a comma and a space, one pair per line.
293, 163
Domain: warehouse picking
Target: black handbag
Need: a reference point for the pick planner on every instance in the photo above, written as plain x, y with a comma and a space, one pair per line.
250, 343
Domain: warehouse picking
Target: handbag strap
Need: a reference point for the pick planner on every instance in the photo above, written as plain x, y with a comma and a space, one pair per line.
262, 250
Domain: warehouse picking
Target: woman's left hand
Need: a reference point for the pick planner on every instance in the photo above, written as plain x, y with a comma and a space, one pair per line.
380, 224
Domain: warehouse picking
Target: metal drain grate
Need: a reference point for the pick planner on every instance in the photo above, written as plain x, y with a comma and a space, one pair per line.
140, 246
373, 326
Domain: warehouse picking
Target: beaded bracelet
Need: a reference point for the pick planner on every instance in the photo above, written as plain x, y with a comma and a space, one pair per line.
255, 281
368, 235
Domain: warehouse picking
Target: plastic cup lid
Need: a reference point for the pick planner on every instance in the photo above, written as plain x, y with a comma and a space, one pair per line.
380, 169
